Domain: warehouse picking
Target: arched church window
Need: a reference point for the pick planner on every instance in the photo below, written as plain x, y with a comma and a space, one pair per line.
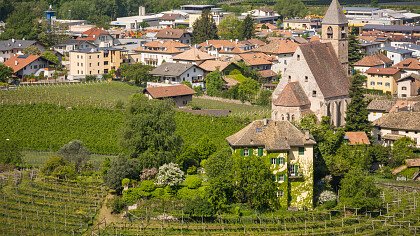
343, 32
329, 32
282, 117
288, 116
293, 117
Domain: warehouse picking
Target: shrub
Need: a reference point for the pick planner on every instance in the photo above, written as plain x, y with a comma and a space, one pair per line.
159, 192
75, 152
192, 170
198, 90
147, 174
125, 182
199, 207
58, 167
10, 153
132, 195
186, 193
327, 196
147, 186
193, 181
64, 172
169, 175
117, 205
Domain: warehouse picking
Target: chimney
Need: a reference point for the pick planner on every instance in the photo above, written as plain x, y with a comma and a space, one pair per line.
142, 11
207, 42
307, 134
397, 109
13, 40
265, 121
236, 41
16, 63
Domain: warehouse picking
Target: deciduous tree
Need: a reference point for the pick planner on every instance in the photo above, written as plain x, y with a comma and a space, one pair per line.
214, 83
402, 149
75, 152
138, 73
291, 8
5, 73
230, 28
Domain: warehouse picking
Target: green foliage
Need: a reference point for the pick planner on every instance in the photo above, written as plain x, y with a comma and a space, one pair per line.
10, 152
187, 83
198, 90
147, 186
291, 8
249, 173
349, 157
50, 56
355, 50
125, 182
379, 153
199, 207
193, 154
138, 73
214, 83
264, 98
247, 28
32, 50
193, 181
5, 73
169, 175
59, 167
75, 152
204, 28
359, 191
117, 205
230, 28
247, 90
402, 149
357, 113
121, 168
149, 132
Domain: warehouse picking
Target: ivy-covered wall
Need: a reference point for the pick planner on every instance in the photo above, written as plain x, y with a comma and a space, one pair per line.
296, 191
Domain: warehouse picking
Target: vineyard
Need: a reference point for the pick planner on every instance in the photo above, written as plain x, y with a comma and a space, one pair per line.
39, 206
400, 216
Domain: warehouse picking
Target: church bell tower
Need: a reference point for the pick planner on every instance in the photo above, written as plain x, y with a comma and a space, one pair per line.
335, 31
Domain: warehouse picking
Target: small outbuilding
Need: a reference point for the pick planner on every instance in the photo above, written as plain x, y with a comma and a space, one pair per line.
180, 94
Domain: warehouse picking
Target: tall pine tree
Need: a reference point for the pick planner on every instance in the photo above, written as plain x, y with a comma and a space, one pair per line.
204, 28
357, 113
355, 50
248, 28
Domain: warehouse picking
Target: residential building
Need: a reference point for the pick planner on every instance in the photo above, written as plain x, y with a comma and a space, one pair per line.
377, 108
356, 138
173, 20
135, 22
73, 45
228, 48
179, 35
260, 62
369, 48
395, 125
282, 51
94, 62
97, 36
397, 54
408, 46
225, 67
192, 56
302, 24
262, 15
372, 61
180, 94
156, 52
409, 86
8, 48
290, 153
383, 79
409, 66
24, 65
176, 73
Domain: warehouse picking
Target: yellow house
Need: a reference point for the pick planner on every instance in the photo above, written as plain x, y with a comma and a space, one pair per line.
94, 62
383, 79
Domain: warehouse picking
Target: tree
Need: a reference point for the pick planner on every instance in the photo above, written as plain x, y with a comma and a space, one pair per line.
169, 175
247, 90
402, 149
75, 152
214, 83
357, 113
204, 28
291, 8
374, 3
10, 153
348, 157
355, 50
248, 28
50, 56
138, 73
59, 167
32, 50
149, 132
253, 183
5, 73
120, 168
359, 191
230, 28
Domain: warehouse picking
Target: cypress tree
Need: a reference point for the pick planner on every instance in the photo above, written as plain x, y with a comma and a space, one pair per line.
355, 50
357, 113
248, 28
204, 28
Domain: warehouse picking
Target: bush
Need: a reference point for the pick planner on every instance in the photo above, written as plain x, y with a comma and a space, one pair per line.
147, 186
58, 167
199, 207
159, 192
65, 172
193, 181
327, 196
125, 182
186, 193
10, 153
147, 174
132, 195
117, 205
75, 152
169, 175
192, 170
198, 90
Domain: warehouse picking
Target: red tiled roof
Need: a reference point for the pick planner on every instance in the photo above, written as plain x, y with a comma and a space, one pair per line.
267, 73
17, 62
382, 71
357, 138
170, 33
169, 91
292, 96
408, 64
373, 60
254, 59
92, 34
278, 47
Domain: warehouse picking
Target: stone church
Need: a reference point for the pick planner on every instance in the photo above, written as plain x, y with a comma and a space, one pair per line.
316, 80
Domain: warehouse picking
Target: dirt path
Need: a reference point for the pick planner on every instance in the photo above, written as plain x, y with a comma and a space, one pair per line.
105, 217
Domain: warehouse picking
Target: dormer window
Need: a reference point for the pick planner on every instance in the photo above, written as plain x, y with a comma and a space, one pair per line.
329, 32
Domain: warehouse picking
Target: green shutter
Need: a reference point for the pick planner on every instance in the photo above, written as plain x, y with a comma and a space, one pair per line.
242, 152
296, 169
260, 151
301, 151
250, 152
277, 161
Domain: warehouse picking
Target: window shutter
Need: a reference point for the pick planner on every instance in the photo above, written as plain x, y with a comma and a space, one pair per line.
242, 151
277, 161
260, 151
296, 169
250, 152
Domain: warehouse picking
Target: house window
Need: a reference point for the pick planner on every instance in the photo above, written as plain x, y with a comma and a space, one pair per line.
280, 193
306, 78
301, 151
188, 75
298, 57
379, 83
290, 77
293, 169
90, 64
403, 88
280, 161
313, 93
260, 151
329, 32
246, 152
281, 178
404, 95
372, 83
194, 69
273, 161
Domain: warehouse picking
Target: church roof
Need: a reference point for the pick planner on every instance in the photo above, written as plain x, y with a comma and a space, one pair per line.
272, 135
292, 96
335, 14
326, 69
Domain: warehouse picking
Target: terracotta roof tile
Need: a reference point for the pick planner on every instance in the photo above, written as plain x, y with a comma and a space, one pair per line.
408, 64
18, 62
292, 96
212, 65
403, 120
381, 105
278, 47
170, 33
254, 59
274, 135
355, 138
267, 73
193, 54
92, 34
170, 47
169, 91
382, 71
373, 60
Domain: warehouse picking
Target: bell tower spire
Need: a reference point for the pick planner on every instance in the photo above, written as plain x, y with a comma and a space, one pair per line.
335, 31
